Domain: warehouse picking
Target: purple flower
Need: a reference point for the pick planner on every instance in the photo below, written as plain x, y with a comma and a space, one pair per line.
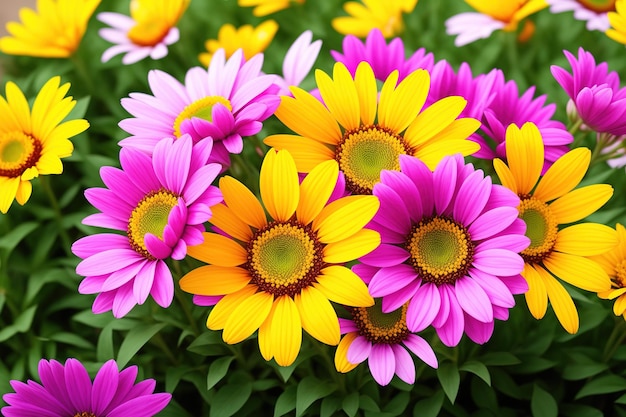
160, 203
67, 390
450, 243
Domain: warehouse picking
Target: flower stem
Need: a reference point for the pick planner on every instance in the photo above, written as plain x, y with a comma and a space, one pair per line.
58, 216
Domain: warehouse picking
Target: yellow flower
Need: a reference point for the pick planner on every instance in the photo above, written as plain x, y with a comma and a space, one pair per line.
154, 19
54, 31
614, 264
374, 131
385, 15
32, 143
617, 19
265, 7
280, 275
251, 40
556, 253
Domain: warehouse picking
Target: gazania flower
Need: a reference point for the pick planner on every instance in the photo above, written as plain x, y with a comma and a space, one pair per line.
33, 141
53, 31
382, 57
298, 61
595, 92
382, 339
265, 7
617, 22
279, 275
450, 243
547, 203
149, 30
251, 40
493, 15
160, 203
374, 131
594, 12
386, 15
614, 264
67, 390
229, 100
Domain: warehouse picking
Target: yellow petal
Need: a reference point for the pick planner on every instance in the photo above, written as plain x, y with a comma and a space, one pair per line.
578, 271
218, 250
397, 108
340, 96
341, 354
579, 203
224, 308
247, 317
307, 153
367, 91
361, 243
536, 296
525, 155
586, 239
280, 189
453, 134
19, 105
318, 316
24, 190
341, 285
505, 175
280, 336
8, 190
619, 307
242, 202
344, 217
563, 175
433, 153
563, 305
225, 219
316, 189
434, 119
212, 280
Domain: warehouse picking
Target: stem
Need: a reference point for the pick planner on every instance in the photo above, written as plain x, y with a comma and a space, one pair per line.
58, 216
615, 339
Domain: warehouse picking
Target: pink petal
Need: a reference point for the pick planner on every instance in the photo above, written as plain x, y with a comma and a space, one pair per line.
124, 301
392, 279
143, 282
144, 406
107, 261
104, 387
382, 363
386, 255
479, 332
451, 331
421, 349
499, 262
359, 350
163, 286
423, 308
473, 299
405, 367
78, 384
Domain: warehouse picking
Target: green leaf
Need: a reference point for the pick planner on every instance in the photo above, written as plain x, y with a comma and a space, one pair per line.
135, 340
229, 399
329, 406
20, 325
72, 339
366, 403
80, 109
542, 404
429, 407
311, 389
104, 348
602, 385
577, 371
10, 240
218, 370
350, 404
621, 399
450, 379
477, 368
499, 359
579, 410
398, 404
285, 402
173, 376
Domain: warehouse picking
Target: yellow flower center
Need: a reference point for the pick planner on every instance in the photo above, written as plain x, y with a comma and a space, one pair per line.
201, 108
18, 152
441, 250
541, 229
599, 6
148, 33
284, 258
85, 414
378, 327
150, 216
364, 152
619, 281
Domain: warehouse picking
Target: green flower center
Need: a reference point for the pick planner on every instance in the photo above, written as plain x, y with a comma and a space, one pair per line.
599, 6
202, 108
364, 152
541, 229
441, 250
18, 152
150, 216
378, 327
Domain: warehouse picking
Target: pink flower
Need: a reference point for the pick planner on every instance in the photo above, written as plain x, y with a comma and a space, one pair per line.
298, 61
594, 13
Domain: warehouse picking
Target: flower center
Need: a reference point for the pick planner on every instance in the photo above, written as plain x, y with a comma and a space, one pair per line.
379, 327
619, 281
441, 250
202, 108
85, 414
541, 229
364, 152
18, 152
148, 33
284, 258
599, 6
150, 216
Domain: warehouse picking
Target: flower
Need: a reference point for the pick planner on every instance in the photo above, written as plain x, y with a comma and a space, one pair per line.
593, 12
614, 264
492, 15
595, 92
251, 40
382, 339
386, 15
228, 100
375, 130
382, 57
617, 22
148, 31
161, 204
53, 31
279, 275
265, 7
33, 141
67, 390
298, 61
450, 243
547, 203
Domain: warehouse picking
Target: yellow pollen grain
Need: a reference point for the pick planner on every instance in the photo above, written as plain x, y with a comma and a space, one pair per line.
18, 152
201, 108
85, 414
379, 327
150, 216
541, 229
619, 281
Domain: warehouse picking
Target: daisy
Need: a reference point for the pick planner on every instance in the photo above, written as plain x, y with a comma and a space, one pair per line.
225, 102
617, 22
160, 203
366, 132
149, 30
594, 12
265, 7
252, 40
33, 141
382, 57
298, 61
492, 15
67, 390
450, 243
548, 202
279, 275
614, 264
386, 15
383, 339
53, 31
595, 92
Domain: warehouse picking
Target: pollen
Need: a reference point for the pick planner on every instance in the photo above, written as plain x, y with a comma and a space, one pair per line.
202, 108
378, 327
619, 280
85, 414
541, 229
18, 152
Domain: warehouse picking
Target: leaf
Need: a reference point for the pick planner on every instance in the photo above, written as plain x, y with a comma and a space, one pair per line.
577, 371
479, 369
10, 240
311, 389
450, 379
218, 370
542, 404
429, 407
579, 410
329, 406
286, 401
229, 399
135, 340
602, 385
366, 403
20, 325
350, 404
398, 404
173, 376
104, 348
72, 339
621, 399
499, 359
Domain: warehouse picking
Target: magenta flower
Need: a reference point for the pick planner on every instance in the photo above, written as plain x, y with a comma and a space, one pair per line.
450, 243
161, 204
595, 92
67, 390
298, 61
383, 58
225, 102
